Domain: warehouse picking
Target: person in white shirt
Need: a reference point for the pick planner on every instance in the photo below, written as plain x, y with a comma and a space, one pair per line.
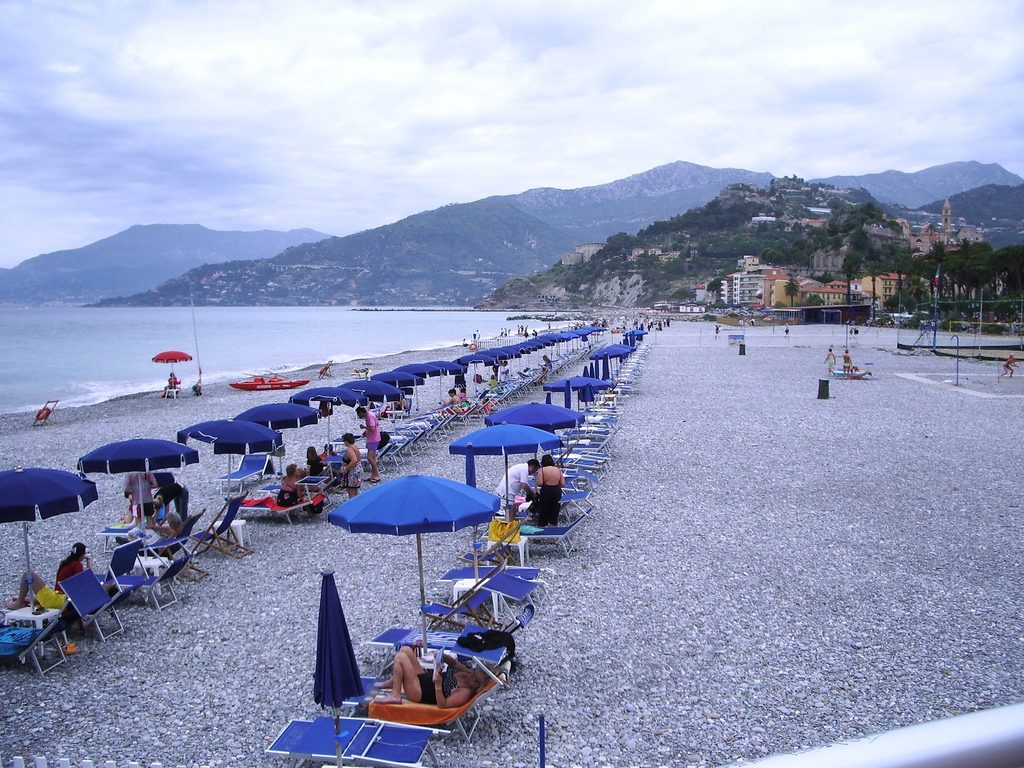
516, 481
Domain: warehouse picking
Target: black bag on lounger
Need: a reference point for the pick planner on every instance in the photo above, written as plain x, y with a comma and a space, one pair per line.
488, 640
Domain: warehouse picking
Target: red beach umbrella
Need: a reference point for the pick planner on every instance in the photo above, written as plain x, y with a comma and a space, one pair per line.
172, 356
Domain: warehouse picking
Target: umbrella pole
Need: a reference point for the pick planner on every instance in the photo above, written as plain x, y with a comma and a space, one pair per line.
29, 595
423, 588
337, 737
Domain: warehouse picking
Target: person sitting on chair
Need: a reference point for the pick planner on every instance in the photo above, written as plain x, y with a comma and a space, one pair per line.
173, 384
45, 596
456, 686
291, 492
314, 462
171, 527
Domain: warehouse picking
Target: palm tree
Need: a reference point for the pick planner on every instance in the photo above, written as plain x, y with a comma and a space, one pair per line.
792, 290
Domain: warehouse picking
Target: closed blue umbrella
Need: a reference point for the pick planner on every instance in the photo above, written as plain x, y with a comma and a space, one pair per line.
579, 384
416, 504
540, 415
31, 494
501, 440
233, 437
137, 455
336, 674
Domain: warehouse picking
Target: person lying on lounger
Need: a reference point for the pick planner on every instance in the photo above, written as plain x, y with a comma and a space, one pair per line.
451, 688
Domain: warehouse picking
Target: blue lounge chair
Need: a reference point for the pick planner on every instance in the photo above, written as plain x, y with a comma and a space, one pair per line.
166, 579
120, 571
364, 742
251, 468
560, 535
24, 643
92, 602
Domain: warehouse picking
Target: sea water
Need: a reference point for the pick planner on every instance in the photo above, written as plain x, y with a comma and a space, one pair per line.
82, 356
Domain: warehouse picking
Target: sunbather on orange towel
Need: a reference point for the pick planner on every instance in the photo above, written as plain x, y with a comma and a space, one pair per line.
452, 688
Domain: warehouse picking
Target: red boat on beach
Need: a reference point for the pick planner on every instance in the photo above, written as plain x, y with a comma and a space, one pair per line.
271, 381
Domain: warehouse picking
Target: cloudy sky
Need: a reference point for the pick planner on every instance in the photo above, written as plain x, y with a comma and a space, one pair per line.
343, 115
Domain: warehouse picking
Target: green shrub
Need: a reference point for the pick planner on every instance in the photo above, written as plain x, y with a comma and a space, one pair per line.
993, 328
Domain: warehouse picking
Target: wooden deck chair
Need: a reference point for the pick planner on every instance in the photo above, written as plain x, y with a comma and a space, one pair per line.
43, 414
325, 371
219, 534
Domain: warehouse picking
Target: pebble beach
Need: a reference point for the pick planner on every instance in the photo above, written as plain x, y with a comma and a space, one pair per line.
764, 571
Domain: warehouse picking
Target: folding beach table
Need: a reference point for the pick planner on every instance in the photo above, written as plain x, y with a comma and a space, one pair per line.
365, 742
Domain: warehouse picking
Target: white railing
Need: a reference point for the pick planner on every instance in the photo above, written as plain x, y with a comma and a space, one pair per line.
991, 738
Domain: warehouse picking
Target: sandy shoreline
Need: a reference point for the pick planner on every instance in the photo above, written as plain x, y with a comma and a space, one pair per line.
763, 571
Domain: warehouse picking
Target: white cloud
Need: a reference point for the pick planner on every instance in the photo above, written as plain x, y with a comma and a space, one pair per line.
348, 115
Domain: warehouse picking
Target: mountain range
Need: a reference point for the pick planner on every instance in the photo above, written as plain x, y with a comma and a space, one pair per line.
134, 260
454, 255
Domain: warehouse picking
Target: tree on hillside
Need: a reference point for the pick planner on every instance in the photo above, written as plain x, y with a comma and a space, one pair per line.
715, 286
851, 266
792, 290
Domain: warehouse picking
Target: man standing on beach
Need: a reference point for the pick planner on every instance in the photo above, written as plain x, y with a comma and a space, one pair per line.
516, 481
371, 431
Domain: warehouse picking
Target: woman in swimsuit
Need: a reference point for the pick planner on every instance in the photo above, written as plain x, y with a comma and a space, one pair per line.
452, 688
550, 482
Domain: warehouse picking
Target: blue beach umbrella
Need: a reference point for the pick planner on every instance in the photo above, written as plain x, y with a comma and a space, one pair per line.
336, 674
476, 357
423, 370
416, 504
375, 391
501, 440
539, 415
31, 494
138, 455
427, 370
398, 378
281, 415
233, 437
333, 395
448, 366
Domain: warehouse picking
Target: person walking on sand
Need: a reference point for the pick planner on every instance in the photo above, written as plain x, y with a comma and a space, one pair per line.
717, 329
830, 360
1008, 365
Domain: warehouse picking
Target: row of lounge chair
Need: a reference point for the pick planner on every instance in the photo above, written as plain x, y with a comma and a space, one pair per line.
496, 594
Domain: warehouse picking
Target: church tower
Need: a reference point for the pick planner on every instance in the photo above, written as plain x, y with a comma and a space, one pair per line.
947, 222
